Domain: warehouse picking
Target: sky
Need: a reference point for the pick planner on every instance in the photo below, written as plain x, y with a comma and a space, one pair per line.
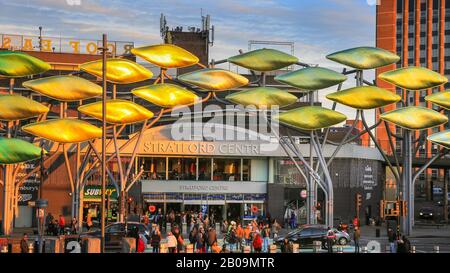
317, 27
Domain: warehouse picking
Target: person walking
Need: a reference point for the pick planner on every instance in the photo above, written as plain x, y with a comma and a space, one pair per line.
239, 236
266, 237
201, 241
275, 229
61, 224
257, 243
232, 238
171, 242
48, 221
74, 226
392, 237
156, 239
212, 238
89, 223
180, 241
247, 235
331, 236
356, 237
24, 244
292, 221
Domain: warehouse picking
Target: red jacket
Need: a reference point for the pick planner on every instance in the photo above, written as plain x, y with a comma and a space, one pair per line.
62, 222
257, 243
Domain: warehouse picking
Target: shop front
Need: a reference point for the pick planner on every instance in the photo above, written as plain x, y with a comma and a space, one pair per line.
92, 202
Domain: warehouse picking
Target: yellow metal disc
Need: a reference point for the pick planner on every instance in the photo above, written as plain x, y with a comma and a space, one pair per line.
117, 111
311, 78
262, 97
119, 71
414, 118
166, 55
413, 78
311, 118
65, 88
166, 95
364, 97
441, 138
364, 57
440, 98
64, 130
214, 79
16, 107
263, 60
18, 64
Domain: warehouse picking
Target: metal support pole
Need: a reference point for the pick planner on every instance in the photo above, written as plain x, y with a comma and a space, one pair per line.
104, 97
407, 187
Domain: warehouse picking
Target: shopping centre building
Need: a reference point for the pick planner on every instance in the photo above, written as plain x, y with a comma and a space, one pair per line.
229, 177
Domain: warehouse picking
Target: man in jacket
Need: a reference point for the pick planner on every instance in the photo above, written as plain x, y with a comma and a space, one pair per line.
356, 237
24, 244
331, 236
392, 237
212, 237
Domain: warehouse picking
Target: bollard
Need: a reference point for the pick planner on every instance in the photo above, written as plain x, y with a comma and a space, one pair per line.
388, 249
190, 248
317, 245
31, 248
4, 249
413, 249
435, 249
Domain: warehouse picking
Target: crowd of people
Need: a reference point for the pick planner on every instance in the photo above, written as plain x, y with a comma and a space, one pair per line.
203, 236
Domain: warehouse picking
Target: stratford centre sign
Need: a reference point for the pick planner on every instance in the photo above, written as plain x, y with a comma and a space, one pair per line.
203, 187
201, 148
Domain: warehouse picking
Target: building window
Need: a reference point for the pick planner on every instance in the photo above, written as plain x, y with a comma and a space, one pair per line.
154, 168
182, 168
226, 169
204, 169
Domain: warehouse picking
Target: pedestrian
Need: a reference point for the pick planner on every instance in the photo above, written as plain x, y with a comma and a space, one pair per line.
134, 233
406, 243
275, 229
257, 243
61, 224
48, 221
286, 246
331, 236
212, 237
156, 239
355, 222
224, 249
171, 243
239, 236
74, 226
201, 241
392, 237
193, 235
247, 235
231, 236
292, 221
89, 223
356, 237
24, 244
266, 237
180, 241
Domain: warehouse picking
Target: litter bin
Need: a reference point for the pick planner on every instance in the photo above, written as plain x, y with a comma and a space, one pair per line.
377, 232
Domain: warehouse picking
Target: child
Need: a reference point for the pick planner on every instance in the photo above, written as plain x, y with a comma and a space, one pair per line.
171, 242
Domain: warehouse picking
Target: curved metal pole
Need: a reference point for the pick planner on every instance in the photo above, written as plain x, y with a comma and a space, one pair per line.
397, 176
424, 167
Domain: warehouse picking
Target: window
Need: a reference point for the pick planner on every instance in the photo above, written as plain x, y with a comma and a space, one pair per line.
246, 165
226, 169
154, 168
182, 168
204, 169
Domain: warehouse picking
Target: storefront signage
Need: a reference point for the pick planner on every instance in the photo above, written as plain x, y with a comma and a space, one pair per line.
200, 148
93, 193
29, 190
368, 180
62, 45
149, 186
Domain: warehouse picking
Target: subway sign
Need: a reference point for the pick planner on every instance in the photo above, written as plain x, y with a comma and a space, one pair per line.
93, 193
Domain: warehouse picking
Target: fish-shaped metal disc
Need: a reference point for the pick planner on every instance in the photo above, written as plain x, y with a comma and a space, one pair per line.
311, 78
16, 107
117, 111
64, 130
65, 88
119, 71
15, 64
263, 60
13, 151
440, 98
166, 55
166, 95
214, 79
441, 138
413, 78
414, 118
311, 118
364, 57
262, 97
364, 97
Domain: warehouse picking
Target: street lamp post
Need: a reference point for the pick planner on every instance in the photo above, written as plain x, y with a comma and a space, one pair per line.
104, 97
